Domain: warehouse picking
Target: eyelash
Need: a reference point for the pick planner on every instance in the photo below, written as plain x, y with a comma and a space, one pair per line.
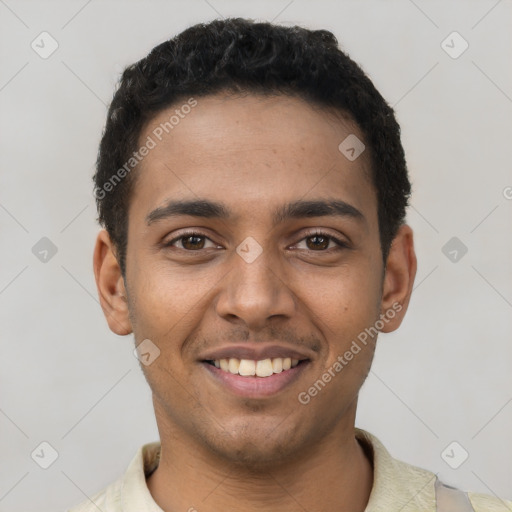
341, 244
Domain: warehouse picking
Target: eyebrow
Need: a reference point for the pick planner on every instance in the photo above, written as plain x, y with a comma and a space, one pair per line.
295, 210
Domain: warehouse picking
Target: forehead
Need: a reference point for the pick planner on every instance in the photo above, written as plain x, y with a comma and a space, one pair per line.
251, 150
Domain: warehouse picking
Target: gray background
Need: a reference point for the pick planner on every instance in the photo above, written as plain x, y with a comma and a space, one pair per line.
67, 380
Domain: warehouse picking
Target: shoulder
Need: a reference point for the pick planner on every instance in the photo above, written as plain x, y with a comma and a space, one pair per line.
130, 488
486, 503
402, 486
106, 500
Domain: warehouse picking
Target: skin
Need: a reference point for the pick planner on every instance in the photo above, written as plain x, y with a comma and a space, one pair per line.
221, 451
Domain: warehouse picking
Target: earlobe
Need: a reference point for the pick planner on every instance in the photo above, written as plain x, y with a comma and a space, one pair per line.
110, 284
399, 279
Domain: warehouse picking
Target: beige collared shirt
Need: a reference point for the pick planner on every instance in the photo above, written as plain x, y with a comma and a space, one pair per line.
397, 486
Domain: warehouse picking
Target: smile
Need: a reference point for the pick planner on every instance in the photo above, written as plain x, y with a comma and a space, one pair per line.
251, 368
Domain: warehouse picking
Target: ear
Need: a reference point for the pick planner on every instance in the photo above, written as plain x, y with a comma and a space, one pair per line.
398, 279
110, 284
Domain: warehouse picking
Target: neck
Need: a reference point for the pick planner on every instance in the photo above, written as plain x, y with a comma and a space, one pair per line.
335, 474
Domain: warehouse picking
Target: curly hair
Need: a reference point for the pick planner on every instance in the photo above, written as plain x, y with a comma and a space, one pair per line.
243, 56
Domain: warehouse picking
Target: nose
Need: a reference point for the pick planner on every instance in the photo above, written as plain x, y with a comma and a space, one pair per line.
255, 291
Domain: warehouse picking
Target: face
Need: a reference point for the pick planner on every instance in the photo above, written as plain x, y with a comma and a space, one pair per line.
253, 238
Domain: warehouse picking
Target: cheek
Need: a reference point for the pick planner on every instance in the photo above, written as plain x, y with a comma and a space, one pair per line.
166, 297
345, 300
344, 314
167, 309
344, 309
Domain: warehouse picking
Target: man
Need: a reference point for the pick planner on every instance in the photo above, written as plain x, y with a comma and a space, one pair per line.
253, 188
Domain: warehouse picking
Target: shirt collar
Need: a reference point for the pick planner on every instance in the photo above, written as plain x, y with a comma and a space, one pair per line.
396, 484
135, 495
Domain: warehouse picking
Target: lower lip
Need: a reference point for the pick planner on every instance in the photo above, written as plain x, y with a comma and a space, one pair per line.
256, 387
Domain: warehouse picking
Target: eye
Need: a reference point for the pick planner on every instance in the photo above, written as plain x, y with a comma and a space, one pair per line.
316, 241
190, 241
319, 241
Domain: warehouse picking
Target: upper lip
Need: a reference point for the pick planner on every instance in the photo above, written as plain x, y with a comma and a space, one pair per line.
256, 352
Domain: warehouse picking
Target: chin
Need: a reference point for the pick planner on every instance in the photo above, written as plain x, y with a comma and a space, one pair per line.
257, 458
254, 449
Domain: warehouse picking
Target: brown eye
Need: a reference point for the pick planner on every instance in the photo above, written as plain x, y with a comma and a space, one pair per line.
317, 242
192, 242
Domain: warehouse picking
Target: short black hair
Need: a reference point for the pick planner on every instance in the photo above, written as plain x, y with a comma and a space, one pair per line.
243, 56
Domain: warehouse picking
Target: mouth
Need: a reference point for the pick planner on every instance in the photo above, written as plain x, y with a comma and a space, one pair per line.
255, 370
249, 368
255, 379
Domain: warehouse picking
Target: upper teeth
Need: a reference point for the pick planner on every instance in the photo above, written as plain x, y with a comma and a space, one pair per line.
262, 368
